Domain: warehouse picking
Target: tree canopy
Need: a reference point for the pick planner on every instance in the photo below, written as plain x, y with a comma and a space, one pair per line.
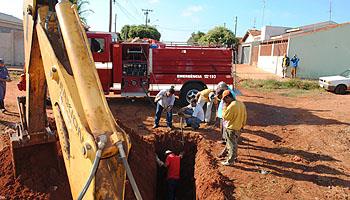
141, 31
195, 37
219, 35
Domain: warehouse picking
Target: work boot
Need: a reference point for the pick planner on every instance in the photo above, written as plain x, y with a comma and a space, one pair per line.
227, 163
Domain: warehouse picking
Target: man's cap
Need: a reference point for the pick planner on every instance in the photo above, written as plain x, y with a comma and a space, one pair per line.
225, 93
222, 85
168, 152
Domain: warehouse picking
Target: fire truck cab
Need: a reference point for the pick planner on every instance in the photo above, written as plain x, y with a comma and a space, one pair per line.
142, 68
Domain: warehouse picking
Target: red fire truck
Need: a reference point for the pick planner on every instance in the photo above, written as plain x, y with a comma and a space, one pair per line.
144, 68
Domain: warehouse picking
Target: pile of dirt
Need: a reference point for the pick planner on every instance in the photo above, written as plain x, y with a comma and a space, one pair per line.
40, 175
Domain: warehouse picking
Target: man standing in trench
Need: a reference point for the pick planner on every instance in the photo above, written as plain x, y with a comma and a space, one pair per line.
236, 117
172, 163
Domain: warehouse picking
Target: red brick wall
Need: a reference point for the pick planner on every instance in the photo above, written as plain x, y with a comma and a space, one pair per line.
255, 55
265, 49
280, 49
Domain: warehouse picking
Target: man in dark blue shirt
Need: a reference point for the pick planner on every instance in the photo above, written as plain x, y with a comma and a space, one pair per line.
4, 77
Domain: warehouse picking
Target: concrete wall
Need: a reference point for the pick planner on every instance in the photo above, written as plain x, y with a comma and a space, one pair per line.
272, 64
6, 51
11, 42
322, 53
12, 48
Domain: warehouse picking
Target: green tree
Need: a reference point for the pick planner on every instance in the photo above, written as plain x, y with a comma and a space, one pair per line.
141, 31
124, 32
195, 37
219, 36
82, 10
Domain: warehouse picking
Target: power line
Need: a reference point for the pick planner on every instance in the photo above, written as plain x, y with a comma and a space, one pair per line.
135, 9
127, 13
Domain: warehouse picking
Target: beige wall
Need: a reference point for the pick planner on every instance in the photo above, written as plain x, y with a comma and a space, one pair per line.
322, 53
11, 43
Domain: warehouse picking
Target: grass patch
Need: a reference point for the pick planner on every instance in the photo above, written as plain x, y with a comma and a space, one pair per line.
290, 88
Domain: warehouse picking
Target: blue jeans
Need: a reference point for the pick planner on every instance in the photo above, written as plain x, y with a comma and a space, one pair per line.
194, 122
169, 116
172, 185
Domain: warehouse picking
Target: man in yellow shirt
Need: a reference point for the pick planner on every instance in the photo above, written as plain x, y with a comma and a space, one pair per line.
235, 118
206, 96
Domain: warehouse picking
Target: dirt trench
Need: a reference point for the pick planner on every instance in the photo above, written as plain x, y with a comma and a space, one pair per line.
199, 177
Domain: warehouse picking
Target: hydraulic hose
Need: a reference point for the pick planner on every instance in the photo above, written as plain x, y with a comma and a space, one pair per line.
101, 145
128, 171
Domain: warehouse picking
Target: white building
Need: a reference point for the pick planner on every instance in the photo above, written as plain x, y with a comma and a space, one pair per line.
323, 49
11, 40
247, 49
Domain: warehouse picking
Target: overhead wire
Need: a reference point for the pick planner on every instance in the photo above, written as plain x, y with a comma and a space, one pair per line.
127, 13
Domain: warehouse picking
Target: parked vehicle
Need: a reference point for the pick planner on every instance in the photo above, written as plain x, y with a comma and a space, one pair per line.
137, 69
338, 84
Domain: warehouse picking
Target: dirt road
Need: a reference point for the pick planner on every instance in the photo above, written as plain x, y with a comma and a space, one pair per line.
292, 148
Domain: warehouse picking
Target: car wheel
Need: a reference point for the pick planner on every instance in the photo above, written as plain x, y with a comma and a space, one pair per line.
340, 89
189, 91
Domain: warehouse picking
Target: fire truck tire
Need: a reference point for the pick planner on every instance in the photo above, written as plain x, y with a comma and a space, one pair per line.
188, 91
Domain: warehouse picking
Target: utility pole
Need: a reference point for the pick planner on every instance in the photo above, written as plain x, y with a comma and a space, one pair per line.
254, 23
234, 58
263, 14
236, 20
115, 22
110, 16
330, 10
225, 24
146, 12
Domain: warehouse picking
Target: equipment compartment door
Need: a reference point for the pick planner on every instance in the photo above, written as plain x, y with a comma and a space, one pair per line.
135, 81
135, 69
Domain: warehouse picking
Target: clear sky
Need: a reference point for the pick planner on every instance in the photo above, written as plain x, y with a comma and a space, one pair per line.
177, 19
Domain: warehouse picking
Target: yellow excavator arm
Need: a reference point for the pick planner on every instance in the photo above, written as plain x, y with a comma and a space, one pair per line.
58, 60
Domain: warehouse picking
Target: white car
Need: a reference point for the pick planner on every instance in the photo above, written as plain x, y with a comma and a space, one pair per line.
338, 84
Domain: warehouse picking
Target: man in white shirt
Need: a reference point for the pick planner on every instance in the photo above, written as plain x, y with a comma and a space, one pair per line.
165, 100
194, 114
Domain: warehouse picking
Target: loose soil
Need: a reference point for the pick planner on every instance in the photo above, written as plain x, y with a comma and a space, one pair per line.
292, 148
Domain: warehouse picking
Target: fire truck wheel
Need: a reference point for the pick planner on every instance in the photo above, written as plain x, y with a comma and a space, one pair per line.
188, 91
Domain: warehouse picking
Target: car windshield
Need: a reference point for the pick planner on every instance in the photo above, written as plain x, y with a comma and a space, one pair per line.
346, 74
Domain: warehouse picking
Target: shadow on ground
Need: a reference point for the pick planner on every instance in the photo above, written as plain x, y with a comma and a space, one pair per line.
260, 114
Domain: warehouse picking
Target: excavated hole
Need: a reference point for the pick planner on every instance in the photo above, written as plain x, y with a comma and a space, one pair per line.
150, 178
177, 143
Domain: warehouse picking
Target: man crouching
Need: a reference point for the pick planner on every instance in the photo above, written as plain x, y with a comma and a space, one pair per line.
193, 114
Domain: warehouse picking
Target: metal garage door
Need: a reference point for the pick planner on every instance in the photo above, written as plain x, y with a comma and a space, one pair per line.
245, 55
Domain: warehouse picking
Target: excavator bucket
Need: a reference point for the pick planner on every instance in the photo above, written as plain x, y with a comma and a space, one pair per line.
30, 151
